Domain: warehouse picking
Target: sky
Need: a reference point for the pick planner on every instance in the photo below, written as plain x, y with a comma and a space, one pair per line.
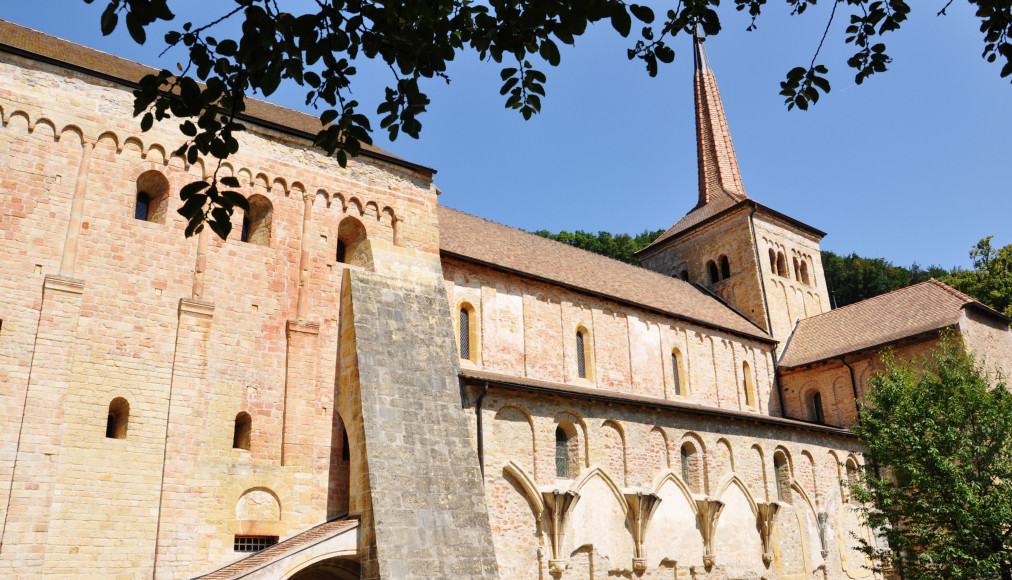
911, 166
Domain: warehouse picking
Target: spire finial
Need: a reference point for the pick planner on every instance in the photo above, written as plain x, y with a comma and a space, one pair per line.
702, 63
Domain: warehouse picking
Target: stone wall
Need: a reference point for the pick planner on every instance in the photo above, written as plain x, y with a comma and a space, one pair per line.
528, 329
415, 468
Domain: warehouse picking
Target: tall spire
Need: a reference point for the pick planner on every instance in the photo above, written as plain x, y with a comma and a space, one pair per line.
718, 167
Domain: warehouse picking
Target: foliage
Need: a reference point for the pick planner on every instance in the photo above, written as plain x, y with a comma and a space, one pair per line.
620, 247
852, 278
318, 48
939, 483
990, 281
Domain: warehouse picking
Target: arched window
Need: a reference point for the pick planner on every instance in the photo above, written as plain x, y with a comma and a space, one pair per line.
748, 385
561, 453
141, 206
256, 224
781, 265
684, 275
782, 475
119, 416
711, 267
797, 270
853, 476
152, 199
465, 333
345, 447
350, 248
676, 371
583, 361
241, 435
815, 408
725, 268
773, 261
804, 272
692, 468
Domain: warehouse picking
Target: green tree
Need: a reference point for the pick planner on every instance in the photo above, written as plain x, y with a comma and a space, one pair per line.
318, 48
854, 278
620, 247
990, 281
938, 486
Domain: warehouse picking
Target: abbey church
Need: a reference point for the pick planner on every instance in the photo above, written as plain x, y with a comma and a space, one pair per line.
362, 383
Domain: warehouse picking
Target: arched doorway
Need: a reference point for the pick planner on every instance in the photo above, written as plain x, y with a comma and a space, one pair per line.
345, 568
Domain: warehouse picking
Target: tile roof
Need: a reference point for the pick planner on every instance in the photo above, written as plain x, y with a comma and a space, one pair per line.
321, 532
877, 321
697, 215
581, 392
20, 38
475, 239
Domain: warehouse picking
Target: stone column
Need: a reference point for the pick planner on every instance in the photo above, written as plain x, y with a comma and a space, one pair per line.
69, 261
23, 546
306, 431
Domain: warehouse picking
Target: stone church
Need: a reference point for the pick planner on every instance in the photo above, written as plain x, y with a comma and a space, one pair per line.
361, 383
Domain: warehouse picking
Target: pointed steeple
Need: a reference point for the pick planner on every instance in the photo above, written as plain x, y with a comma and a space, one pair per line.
719, 175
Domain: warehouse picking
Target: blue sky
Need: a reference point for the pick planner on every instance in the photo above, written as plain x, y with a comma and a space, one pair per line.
911, 166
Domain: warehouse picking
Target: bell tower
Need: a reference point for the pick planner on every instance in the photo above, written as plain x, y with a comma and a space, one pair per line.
761, 262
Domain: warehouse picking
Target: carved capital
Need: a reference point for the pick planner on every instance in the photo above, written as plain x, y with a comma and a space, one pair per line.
823, 520
641, 509
557, 506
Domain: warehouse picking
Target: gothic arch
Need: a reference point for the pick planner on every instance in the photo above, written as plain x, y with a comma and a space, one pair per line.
597, 472
511, 469
673, 477
733, 479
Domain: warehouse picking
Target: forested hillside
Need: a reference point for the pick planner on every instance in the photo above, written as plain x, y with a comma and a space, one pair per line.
850, 278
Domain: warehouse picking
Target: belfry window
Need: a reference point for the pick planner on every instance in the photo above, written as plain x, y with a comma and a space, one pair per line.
804, 272
116, 421
684, 275
797, 270
561, 453
711, 267
773, 261
465, 334
781, 265
725, 268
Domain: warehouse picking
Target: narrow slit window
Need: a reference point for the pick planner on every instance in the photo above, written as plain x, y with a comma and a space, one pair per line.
817, 413
242, 433
725, 268
561, 453
465, 334
674, 373
685, 464
345, 447
714, 273
581, 362
797, 270
773, 261
117, 418
244, 233
342, 251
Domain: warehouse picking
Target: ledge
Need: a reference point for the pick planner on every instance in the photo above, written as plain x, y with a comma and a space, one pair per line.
196, 307
63, 284
524, 384
304, 326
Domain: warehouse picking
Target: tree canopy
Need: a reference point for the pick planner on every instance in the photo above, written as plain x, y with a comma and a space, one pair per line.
620, 247
938, 487
317, 48
990, 281
854, 278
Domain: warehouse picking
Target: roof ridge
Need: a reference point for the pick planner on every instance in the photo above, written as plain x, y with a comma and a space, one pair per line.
953, 291
866, 300
565, 245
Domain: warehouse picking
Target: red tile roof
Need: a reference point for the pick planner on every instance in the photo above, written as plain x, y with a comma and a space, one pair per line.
875, 322
478, 240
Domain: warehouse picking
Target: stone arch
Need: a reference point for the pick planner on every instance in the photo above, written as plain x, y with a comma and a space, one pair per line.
713, 271
597, 472
151, 196
672, 533
352, 243
258, 504
75, 130
691, 462
783, 473
733, 479
781, 265
723, 459
157, 148
656, 450
725, 267
513, 436
354, 202
576, 441
112, 137
754, 469
613, 452
46, 123
807, 476
256, 224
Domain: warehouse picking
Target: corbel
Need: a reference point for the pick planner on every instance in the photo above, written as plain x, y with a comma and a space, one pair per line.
707, 512
557, 506
766, 514
641, 509
823, 520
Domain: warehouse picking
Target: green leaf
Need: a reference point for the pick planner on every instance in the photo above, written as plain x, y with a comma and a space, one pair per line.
620, 19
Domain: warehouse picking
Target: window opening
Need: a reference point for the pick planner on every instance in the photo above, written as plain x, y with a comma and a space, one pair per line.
345, 447
116, 421
243, 431
674, 372
747, 384
781, 265
773, 261
781, 471
342, 251
581, 363
465, 333
142, 206
684, 275
244, 233
253, 543
804, 272
685, 465
725, 268
817, 408
561, 453
714, 273
797, 270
